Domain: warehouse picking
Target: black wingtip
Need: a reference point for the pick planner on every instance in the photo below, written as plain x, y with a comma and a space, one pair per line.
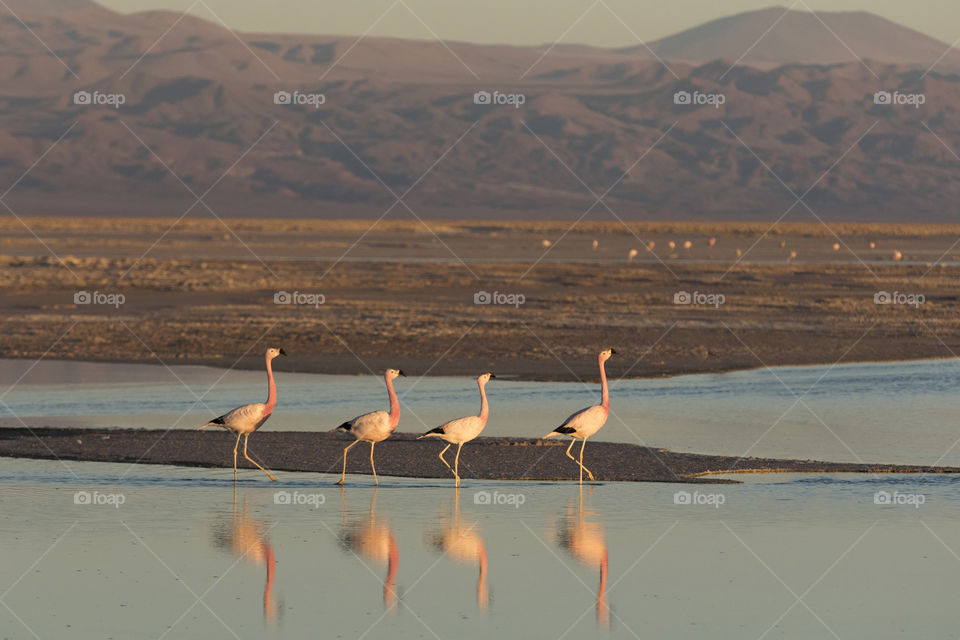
437, 430
564, 430
346, 426
217, 421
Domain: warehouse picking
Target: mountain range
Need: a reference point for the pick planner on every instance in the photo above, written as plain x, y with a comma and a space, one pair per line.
152, 113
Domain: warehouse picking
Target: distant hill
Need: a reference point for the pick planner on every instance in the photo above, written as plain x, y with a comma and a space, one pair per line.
200, 98
800, 37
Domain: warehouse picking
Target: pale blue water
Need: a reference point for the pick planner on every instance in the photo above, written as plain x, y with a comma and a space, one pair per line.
168, 552
904, 412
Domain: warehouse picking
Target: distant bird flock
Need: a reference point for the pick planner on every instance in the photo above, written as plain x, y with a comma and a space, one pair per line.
377, 426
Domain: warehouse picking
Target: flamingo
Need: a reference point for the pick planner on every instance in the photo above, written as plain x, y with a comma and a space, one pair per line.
465, 545
246, 419
375, 426
631, 255
373, 538
462, 430
586, 422
247, 539
585, 540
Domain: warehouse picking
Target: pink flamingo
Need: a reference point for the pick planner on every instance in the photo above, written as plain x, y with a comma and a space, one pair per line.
246, 419
462, 430
374, 427
586, 422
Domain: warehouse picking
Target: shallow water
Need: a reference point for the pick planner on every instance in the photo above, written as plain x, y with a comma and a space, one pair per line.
899, 412
91, 550
179, 558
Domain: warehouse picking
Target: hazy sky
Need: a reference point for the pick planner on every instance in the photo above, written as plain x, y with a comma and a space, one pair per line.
526, 21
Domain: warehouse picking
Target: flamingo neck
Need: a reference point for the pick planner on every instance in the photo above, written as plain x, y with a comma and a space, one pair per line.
389, 584
604, 391
394, 403
484, 406
268, 588
482, 596
271, 388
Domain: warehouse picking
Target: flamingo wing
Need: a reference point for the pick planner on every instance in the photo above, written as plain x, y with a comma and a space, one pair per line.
246, 417
373, 425
586, 421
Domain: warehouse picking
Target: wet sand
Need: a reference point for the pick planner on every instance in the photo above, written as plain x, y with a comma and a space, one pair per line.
402, 455
400, 294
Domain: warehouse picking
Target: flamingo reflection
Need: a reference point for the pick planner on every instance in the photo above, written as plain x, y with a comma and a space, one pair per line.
464, 544
585, 540
373, 539
247, 539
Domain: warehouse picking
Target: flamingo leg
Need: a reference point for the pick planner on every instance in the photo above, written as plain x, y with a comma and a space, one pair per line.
270, 475
376, 481
445, 463
235, 447
583, 468
572, 440
344, 473
456, 464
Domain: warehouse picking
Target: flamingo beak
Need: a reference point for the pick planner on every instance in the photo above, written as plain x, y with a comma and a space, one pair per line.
282, 352
492, 376
400, 371
612, 351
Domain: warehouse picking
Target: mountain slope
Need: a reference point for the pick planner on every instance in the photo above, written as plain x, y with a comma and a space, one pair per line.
199, 102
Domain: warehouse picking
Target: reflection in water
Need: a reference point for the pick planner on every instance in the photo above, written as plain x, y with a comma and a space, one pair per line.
584, 539
247, 539
373, 539
464, 544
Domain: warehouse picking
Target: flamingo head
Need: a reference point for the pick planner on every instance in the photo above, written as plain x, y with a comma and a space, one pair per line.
393, 373
606, 353
485, 378
273, 352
